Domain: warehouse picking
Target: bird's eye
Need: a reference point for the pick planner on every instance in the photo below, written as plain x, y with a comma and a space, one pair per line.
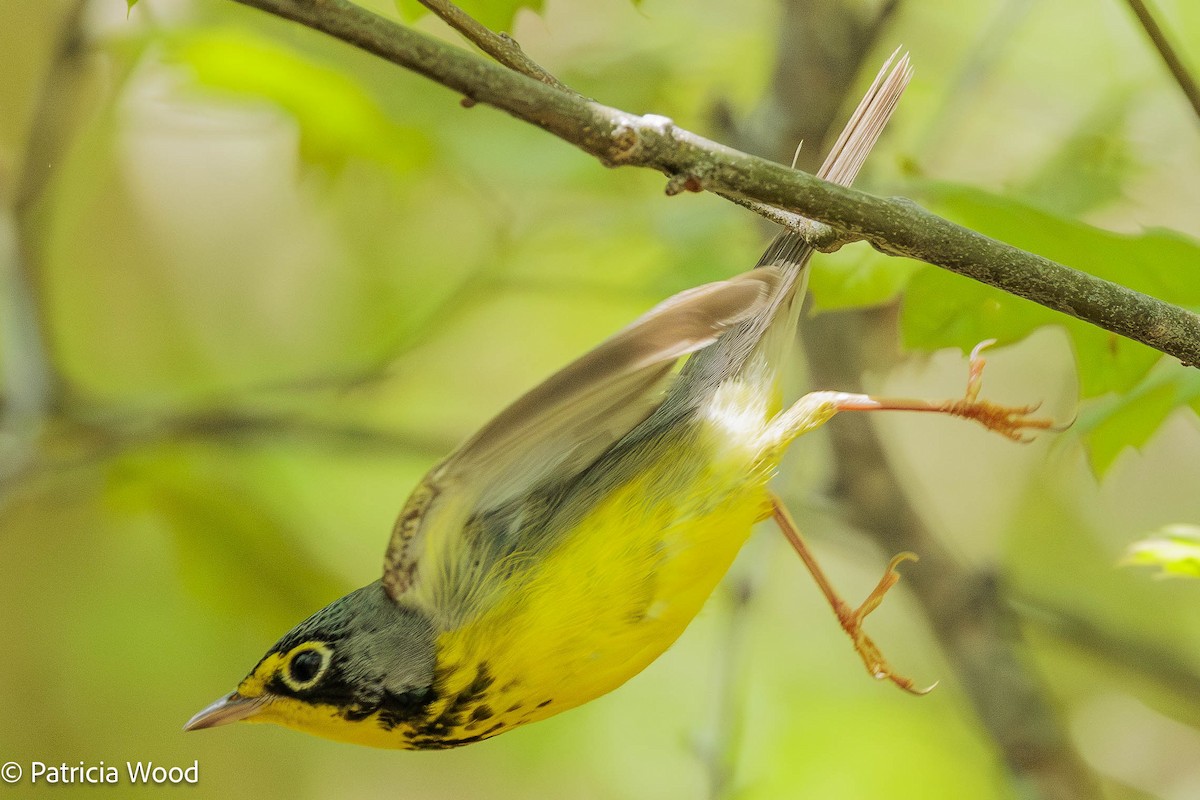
306, 666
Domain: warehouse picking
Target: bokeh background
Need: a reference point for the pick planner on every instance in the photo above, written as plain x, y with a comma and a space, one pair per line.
256, 282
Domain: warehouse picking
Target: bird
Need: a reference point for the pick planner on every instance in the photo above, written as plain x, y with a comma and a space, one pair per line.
568, 543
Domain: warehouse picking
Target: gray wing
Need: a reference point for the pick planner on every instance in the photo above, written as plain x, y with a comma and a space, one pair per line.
557, 430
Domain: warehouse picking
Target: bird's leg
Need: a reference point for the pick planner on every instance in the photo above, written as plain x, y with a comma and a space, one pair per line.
851, 619
1015, 422
816, 408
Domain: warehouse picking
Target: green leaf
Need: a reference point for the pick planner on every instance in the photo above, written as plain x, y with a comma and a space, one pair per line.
1114, 423
495, 14
858, 276
337, 118
1175, 550
129, 4
945, 310
942, 309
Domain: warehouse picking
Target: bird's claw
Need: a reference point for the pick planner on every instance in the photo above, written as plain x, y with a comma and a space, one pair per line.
1014, 422
852, 622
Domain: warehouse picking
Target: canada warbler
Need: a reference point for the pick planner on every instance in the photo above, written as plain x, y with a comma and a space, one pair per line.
569, 542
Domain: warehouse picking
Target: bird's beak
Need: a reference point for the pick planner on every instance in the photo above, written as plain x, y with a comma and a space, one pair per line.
228, 709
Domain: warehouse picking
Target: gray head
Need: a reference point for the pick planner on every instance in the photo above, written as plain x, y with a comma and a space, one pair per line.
360, 656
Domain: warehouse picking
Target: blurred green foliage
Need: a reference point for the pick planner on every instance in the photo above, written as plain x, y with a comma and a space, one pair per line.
281, 279
499, 15
337, 119
1175, 550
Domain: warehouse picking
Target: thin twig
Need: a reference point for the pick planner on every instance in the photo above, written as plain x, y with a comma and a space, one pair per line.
1161, 664
893, 225
784, 219
1174, 63
499, 46
88, 438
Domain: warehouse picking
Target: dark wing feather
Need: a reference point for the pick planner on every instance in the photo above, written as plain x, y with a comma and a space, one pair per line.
564, 424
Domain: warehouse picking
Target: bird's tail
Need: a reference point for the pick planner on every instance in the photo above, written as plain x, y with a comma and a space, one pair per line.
788, 251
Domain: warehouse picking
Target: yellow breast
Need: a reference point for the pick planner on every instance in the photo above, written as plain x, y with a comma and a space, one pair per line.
614, 594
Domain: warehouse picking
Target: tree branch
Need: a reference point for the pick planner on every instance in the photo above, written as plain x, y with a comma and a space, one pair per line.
893, 225
1174, 63
499, 46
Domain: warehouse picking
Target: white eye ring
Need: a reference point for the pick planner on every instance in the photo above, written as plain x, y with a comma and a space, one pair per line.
310, 672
